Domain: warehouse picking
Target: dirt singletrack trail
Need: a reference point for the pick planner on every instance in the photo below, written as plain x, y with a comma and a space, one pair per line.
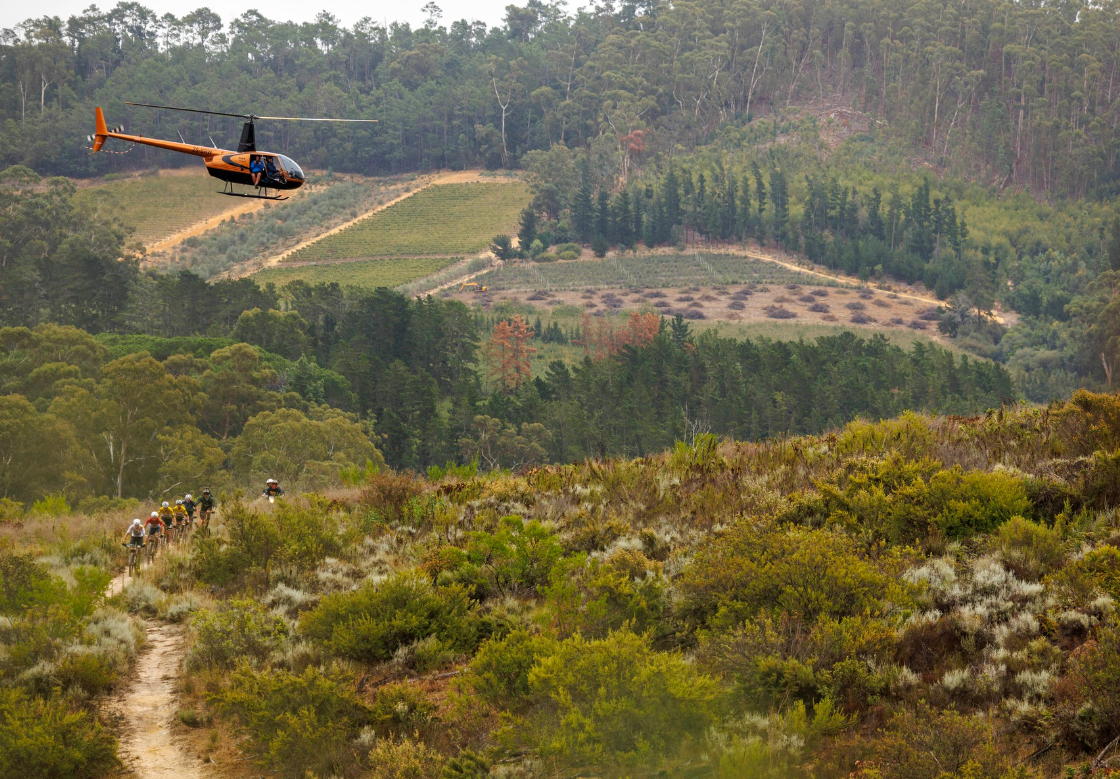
146, 710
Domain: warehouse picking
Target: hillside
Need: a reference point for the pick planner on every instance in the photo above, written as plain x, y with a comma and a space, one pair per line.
164, 207
917, 598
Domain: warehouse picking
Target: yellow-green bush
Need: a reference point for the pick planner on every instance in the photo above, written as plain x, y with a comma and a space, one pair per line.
370, 624
499, 673
616, 704
236, 631
1031, 550
750, 571
298, 723
594, 597
47, 740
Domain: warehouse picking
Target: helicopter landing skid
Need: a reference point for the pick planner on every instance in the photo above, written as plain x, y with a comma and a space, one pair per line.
228, 190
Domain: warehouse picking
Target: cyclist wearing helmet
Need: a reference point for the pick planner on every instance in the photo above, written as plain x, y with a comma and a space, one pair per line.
135, 534
166, 514
189, 505
272, 489
154, 524
180, 514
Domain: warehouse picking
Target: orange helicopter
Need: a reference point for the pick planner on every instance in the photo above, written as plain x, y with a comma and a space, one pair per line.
262, 170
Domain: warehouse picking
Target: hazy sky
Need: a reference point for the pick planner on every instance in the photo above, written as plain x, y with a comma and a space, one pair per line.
349, 11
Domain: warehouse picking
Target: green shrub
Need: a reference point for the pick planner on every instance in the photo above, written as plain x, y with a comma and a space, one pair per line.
20, 578
616, 704
594, 597
237, 631
1029, 549
567, 255
46, 740
370, 624
499, 673
404, 759
517, 558
401, 709
104, 504
546, 257
298, 723
10, 511
565, 248
51, 506
903, 500
806, 573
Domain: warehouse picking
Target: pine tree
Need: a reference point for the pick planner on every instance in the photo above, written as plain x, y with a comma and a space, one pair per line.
603, 217
583, 214
746, 219
874, 215
779, 198
671, 196
623, 220
527, 233
637, 216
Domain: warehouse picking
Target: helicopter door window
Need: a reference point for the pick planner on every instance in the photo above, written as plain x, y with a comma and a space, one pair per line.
290, 167
271, 170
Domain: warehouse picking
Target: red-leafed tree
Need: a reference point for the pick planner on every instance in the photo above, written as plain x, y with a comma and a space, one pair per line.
508, 350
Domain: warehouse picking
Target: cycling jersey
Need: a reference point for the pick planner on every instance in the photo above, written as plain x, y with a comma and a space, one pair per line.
154, 526
166, 514
189, 505
206, 503
136, 535
180, 514
273, 491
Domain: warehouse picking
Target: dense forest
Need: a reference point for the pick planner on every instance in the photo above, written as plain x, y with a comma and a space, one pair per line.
1010, 93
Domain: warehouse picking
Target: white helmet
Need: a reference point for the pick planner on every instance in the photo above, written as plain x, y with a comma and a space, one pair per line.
188, 497
272, 481
136, 521
155, 514
178, 503
166, 504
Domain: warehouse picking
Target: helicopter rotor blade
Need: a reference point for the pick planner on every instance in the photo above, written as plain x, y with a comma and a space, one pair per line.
191, 110
311, 119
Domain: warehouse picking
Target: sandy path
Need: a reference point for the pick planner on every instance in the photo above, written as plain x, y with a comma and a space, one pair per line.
423, 182
148, 708
146, 711
198, 228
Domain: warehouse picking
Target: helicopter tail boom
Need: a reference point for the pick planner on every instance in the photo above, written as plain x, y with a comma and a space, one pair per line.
101, 133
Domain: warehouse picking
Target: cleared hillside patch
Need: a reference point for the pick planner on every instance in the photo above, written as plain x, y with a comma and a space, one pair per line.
158, 206
360, 273
644, 270
439, 221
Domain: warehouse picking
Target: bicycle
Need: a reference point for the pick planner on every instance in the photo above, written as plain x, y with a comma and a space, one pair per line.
134, 558
153, 547
204, 523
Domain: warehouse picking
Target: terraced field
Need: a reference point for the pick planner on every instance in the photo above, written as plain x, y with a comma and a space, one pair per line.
645, 271
362, 273
158, 206
441, 221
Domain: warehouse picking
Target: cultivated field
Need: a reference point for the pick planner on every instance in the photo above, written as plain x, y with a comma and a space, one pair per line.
158, 206
440, 221
361, 273
645, 271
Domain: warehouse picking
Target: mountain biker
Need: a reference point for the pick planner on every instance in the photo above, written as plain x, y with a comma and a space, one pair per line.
135, 533
272, 489
166, 514
179, 513
189, 505
206, 504
154, 525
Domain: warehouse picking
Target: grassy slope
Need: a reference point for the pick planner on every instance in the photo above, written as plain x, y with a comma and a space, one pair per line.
441, 221
159, 206
362, 273
643, 270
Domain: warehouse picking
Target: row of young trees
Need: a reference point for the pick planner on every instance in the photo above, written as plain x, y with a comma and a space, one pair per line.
917, 237
1012, 93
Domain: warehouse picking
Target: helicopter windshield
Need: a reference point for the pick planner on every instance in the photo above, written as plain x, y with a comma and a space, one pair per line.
290, 167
